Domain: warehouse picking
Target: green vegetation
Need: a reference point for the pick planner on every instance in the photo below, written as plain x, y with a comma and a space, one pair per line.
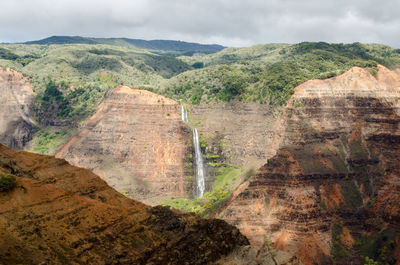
351, 194
221, 191
51, 104
168, 47
269, 73
49, 140
378, 247
338, 251
70, 80
261, 73
369, 261
85, 65
7, 182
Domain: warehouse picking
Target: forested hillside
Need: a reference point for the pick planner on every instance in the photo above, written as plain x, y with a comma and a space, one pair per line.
70, 80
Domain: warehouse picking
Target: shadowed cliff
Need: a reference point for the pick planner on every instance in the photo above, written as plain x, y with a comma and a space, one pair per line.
16, 126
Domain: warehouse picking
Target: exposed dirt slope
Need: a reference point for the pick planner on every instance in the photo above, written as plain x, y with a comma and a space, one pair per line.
137, 143
16, 126
333, 186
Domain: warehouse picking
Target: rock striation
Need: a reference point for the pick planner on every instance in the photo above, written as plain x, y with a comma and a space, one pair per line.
137, 143
61, 214
242, 133
335, 179
16, 125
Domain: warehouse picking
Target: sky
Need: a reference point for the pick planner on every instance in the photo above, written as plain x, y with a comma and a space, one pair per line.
227, 22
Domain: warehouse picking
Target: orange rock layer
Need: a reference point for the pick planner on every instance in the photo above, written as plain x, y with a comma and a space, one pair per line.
338, 166
61, 214
137, 143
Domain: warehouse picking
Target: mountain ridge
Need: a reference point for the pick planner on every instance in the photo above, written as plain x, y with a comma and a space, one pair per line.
166, 47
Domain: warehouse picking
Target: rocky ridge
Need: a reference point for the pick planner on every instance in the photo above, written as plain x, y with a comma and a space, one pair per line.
332, 188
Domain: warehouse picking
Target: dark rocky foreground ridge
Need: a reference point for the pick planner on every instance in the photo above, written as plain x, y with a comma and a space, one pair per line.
61, 214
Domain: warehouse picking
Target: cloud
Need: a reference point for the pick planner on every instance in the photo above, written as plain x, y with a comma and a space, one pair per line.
232, 23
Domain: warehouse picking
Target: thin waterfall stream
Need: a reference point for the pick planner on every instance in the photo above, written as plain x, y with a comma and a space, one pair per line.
199, 162
185, 116
200, 187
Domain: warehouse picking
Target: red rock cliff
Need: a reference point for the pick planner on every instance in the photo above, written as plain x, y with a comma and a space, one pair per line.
16, 126
137, 143
336, 177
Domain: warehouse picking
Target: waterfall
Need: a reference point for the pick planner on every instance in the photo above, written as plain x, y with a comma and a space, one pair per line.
199, 165
184, 114
200, 186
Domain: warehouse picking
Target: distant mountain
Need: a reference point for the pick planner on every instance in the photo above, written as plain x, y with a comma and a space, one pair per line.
166, 47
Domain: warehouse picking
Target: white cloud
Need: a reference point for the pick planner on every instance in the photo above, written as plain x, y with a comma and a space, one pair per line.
229, 22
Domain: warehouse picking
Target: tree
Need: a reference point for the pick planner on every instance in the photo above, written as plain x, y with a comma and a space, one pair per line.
7, 182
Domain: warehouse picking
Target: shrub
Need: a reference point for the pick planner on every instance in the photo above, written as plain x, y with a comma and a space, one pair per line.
7, 182
198, 65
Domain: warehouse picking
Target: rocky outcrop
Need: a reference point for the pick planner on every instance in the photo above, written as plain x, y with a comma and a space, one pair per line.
333, 186
137, 143
60, 214
16, 126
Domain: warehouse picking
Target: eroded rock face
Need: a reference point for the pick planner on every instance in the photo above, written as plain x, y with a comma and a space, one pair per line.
16, 126
61, 214
243, 133
336, 176
137, 143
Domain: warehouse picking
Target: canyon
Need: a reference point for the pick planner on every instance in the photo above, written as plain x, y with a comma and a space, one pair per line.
326, 189
138, 142
332, 186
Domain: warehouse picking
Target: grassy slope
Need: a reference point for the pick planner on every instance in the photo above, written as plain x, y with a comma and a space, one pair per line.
268, 73
166, 47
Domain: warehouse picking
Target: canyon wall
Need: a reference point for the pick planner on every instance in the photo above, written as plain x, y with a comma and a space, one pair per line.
16, 125
235, 136
137, 143
332, 189
242, 133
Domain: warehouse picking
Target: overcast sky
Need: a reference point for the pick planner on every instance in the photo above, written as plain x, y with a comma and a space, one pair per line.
227, 22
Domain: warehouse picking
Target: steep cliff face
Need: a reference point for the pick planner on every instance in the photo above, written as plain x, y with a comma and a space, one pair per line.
235, 136
332, 190
137, 143
16, 126
60, 214
241, 132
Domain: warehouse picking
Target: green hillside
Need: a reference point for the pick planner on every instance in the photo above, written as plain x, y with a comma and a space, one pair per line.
71, 79
268, 73
165, 47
